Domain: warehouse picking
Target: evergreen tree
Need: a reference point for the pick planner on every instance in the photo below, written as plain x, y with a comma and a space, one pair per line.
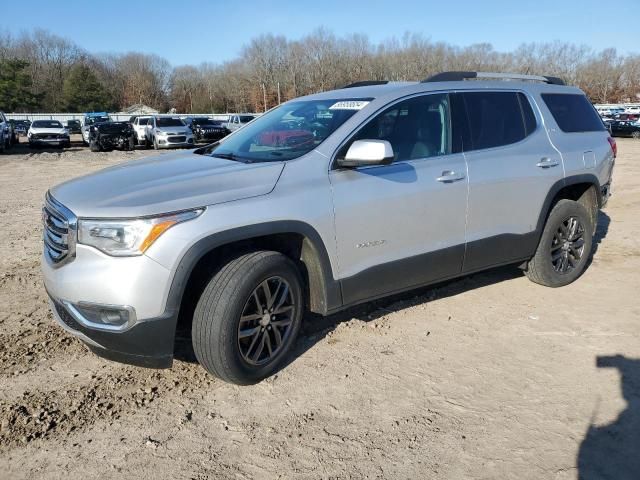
15, 87
83, 92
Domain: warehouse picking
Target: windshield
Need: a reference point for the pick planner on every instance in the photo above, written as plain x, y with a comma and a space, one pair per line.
169, 122
93, 120
288, 131
205, 121
46, 124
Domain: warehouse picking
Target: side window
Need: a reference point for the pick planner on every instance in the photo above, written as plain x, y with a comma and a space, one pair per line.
416, 128
573, 112
497, 118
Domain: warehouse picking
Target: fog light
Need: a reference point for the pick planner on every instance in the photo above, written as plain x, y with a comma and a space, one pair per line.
103, 315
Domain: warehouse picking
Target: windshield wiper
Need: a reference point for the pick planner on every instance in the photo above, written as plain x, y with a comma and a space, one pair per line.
231, 156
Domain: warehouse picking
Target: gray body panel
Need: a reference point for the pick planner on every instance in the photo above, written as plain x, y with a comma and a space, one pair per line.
164, 184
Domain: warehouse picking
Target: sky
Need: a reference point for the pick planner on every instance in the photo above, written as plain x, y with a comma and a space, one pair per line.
196, 31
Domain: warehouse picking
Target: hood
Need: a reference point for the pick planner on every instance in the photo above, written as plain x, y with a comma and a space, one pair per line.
165, 183
48, 131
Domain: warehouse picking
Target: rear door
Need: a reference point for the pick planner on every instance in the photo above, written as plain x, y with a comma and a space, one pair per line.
512, 166
402, 225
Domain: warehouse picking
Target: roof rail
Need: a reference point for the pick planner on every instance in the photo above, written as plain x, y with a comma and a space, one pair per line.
457, 76
366, 83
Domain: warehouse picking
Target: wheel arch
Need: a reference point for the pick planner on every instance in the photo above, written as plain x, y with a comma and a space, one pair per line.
298, 240
583, 188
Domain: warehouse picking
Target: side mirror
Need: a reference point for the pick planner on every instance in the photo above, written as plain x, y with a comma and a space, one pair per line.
362, 153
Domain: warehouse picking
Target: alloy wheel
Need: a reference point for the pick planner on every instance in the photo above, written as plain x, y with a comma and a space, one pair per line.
567, 246
266, 321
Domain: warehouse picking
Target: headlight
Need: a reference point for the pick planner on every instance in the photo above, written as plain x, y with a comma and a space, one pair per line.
124, 238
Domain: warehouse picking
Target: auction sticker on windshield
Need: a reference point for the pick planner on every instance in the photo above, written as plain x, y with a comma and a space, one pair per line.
349, 105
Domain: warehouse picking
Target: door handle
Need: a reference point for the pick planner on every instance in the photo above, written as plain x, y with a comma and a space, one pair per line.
546, 162
449, 176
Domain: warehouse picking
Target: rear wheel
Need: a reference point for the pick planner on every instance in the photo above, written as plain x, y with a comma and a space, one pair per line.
248, 317
635, 134
565, 246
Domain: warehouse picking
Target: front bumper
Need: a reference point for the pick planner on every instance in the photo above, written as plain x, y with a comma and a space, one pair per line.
169, 142
148, 344
209, 137
139, 283
50, 141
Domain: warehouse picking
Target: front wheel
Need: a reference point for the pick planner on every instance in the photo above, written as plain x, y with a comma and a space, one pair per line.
248, 317
565, 246
635, 134
94, 146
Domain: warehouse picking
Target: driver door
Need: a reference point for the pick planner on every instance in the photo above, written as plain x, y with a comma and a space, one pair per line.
402, 225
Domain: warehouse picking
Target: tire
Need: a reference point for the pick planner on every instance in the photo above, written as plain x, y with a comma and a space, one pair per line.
132, 144
155, 143
635, 134
557, 250
94, 146
235, 291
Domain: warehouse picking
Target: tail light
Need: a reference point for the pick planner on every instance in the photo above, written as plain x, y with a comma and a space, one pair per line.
614, 146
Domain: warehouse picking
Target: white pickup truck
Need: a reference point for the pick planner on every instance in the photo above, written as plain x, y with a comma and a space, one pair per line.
234, 121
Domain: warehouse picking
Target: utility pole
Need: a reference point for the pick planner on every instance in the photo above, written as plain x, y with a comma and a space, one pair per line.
278, 93
264, 96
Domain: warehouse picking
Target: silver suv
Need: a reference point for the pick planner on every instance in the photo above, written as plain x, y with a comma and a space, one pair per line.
325, 202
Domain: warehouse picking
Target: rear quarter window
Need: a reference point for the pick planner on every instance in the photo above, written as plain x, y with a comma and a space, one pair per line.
497, 118
573, 112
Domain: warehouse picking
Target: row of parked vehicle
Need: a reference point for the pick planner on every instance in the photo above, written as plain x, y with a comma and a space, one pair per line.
623, 124
157, 131
101, 133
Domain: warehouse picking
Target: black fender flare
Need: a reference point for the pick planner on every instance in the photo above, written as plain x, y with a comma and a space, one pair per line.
555, 189
329, 292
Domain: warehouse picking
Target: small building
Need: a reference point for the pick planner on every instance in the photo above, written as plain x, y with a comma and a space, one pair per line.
139, 109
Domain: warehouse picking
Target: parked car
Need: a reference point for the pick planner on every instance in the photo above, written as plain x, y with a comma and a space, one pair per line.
236, 121
168, 132
92, 119
633, 110
20, 127
48, 133
408, 184
207, 130
8, 135
106, 136
74, 126
139, 124
625, 128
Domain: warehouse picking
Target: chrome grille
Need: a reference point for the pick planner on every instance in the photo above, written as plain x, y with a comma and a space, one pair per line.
59, 231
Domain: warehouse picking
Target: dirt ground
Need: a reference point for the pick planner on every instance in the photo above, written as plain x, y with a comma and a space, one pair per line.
487, 377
